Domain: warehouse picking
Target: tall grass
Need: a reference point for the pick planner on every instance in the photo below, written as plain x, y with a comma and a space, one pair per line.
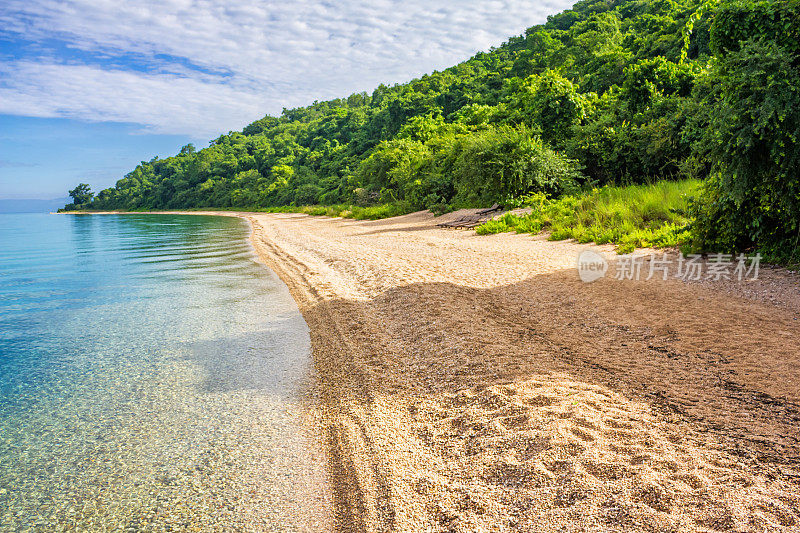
630, 217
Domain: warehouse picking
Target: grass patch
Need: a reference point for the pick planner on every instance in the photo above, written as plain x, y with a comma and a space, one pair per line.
373, 212
635, 216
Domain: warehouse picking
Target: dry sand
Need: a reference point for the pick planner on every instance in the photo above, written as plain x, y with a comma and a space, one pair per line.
475, 384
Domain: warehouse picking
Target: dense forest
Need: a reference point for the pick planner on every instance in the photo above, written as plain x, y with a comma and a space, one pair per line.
609, 92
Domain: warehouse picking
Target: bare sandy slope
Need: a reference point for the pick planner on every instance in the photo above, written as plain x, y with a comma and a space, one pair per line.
475, 384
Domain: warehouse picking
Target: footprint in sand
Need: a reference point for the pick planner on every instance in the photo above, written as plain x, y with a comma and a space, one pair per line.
582, 434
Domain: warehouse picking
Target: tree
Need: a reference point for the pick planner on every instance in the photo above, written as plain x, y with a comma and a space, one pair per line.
81, 195
549, 103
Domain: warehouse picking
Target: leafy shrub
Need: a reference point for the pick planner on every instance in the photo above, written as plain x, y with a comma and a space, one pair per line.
500, 163
307, 194
653, 144
487, 165
649, 79
753, 200
735, 22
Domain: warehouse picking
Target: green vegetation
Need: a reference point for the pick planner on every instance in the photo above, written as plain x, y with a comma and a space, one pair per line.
81, 197
373, 212
610, 92
630, 217
752, 198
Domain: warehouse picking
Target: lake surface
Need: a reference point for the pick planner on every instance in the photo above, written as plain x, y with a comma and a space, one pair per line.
151, 374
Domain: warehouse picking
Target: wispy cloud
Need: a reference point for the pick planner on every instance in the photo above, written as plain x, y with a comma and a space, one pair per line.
202, 66
164, 103
5, 163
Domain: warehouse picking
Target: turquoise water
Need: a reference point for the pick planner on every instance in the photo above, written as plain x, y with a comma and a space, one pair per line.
151, 375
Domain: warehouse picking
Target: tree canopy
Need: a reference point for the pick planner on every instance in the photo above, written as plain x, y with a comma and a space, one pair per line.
81, 195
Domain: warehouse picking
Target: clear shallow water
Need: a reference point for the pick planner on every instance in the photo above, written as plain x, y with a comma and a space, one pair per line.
149, 377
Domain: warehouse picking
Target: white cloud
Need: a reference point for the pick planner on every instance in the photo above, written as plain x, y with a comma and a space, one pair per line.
258, 56
162, 103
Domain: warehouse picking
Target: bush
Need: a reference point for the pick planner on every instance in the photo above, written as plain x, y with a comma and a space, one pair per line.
737, 21
489, 165
646, 80
502, 163
307, 194
753, 200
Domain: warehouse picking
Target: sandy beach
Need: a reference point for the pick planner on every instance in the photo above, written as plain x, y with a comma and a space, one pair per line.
476, 384
472, 383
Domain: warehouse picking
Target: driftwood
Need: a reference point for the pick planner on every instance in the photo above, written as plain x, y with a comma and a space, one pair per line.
470, 221
495, 207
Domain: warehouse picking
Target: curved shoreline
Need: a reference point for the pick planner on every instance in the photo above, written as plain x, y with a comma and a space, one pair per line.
347, 475
473, 382
154, 380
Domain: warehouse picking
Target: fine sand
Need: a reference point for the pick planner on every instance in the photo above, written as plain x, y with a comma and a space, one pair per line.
475, 383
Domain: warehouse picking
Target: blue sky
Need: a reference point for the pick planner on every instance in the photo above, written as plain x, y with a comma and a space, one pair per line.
88, 88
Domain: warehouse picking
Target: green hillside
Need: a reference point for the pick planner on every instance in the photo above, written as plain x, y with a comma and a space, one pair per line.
609, 92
